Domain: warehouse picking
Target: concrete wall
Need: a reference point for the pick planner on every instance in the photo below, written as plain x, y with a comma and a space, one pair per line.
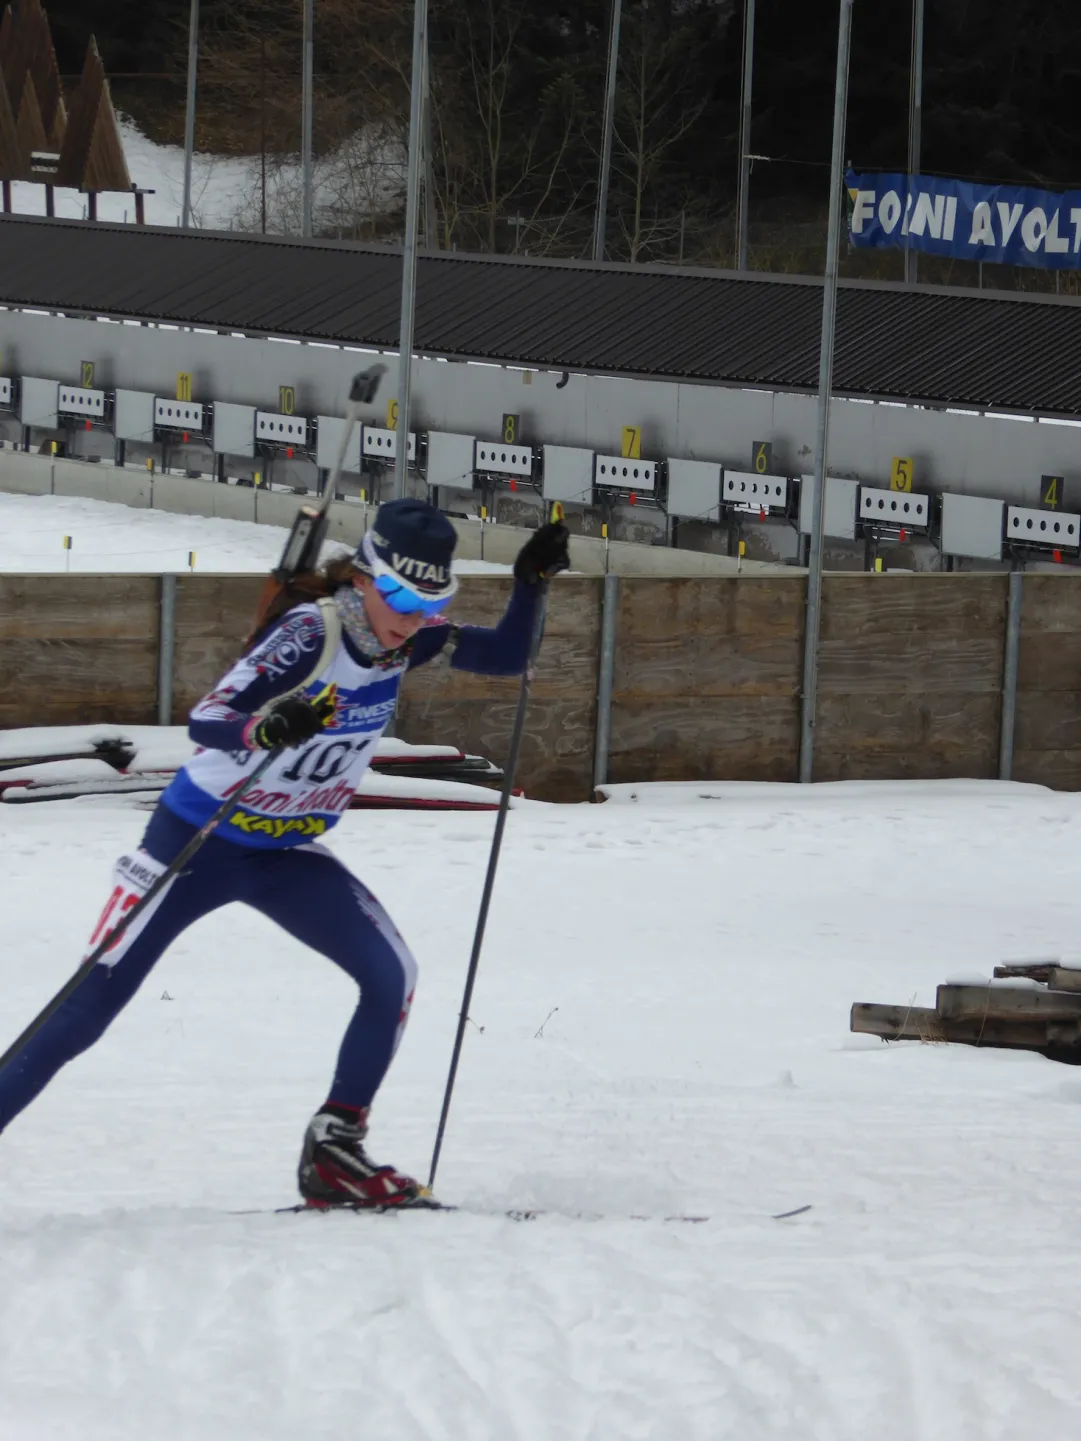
25, 474
976, 454
499, 544
124, 487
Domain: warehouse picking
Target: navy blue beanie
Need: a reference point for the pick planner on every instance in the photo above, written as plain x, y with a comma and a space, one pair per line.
414, 541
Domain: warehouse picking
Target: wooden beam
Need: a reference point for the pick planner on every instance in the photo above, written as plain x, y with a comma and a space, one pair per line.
980, 1002
1030, 970
895, 1023
1058, 1040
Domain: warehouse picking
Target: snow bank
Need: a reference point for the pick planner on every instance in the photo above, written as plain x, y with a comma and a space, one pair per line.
113, 538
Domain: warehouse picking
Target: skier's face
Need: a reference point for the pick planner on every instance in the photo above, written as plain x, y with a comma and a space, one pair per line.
391, 629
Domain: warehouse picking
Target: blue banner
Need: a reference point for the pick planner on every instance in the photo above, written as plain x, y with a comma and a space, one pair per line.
1010, 224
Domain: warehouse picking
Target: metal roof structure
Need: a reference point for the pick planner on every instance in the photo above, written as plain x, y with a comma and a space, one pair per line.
932, 345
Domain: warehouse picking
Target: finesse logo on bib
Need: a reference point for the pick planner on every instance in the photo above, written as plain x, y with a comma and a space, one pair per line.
363, 717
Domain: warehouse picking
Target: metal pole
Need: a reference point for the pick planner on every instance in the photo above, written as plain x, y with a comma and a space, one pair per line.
915, 119
601, 219
262, 135
431, 228
609, 607
166, 649
493, 861
409, 249
189, 114
1009, 678
825, 387
745, 136
306, 127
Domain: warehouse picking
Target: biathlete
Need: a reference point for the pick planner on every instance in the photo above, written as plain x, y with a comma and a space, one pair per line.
321, 683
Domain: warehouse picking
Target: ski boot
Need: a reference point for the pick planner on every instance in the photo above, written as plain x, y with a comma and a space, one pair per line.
335, 1169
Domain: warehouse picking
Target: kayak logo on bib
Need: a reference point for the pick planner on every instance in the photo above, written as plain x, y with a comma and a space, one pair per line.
276, 828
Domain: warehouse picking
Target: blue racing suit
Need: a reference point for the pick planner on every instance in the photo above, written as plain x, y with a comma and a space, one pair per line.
267, 854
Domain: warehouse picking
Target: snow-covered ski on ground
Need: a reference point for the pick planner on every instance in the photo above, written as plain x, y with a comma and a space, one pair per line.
531, 1213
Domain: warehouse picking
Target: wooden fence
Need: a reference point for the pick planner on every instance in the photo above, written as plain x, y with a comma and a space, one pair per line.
706, 681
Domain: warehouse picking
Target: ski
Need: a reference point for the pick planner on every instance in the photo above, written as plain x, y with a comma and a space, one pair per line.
511, 1214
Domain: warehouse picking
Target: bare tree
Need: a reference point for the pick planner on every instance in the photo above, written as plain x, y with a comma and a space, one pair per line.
514, 101
657, 106
521, 136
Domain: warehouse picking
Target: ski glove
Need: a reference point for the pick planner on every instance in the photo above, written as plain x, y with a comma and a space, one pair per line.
292, 721
544, 554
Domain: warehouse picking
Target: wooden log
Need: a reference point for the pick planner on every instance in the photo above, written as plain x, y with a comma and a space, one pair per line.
1058, 1040
1030, 970
895, 1023
982, 1002
1047, 973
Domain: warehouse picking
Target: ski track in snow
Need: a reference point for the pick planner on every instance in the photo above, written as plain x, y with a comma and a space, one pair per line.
703, 957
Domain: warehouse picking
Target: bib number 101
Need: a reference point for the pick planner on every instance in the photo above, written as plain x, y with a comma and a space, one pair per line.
320, 762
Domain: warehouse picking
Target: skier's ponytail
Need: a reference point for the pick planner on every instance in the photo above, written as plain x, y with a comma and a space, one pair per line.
279, 597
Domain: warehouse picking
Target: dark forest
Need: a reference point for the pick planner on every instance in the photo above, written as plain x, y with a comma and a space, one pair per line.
517, 98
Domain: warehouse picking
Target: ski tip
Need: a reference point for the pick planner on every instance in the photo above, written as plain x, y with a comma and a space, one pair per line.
787, 1215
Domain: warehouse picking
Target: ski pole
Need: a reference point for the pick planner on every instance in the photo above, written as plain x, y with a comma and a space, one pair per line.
111, 937
493, 861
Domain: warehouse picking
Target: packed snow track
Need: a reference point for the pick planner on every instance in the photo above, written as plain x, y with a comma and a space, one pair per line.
660, 1026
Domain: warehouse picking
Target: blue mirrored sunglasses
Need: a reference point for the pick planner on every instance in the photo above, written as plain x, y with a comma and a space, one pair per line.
407, 602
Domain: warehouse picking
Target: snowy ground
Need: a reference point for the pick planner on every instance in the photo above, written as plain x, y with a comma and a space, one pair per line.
108, 537
220, 186
225, 189
661, 1025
